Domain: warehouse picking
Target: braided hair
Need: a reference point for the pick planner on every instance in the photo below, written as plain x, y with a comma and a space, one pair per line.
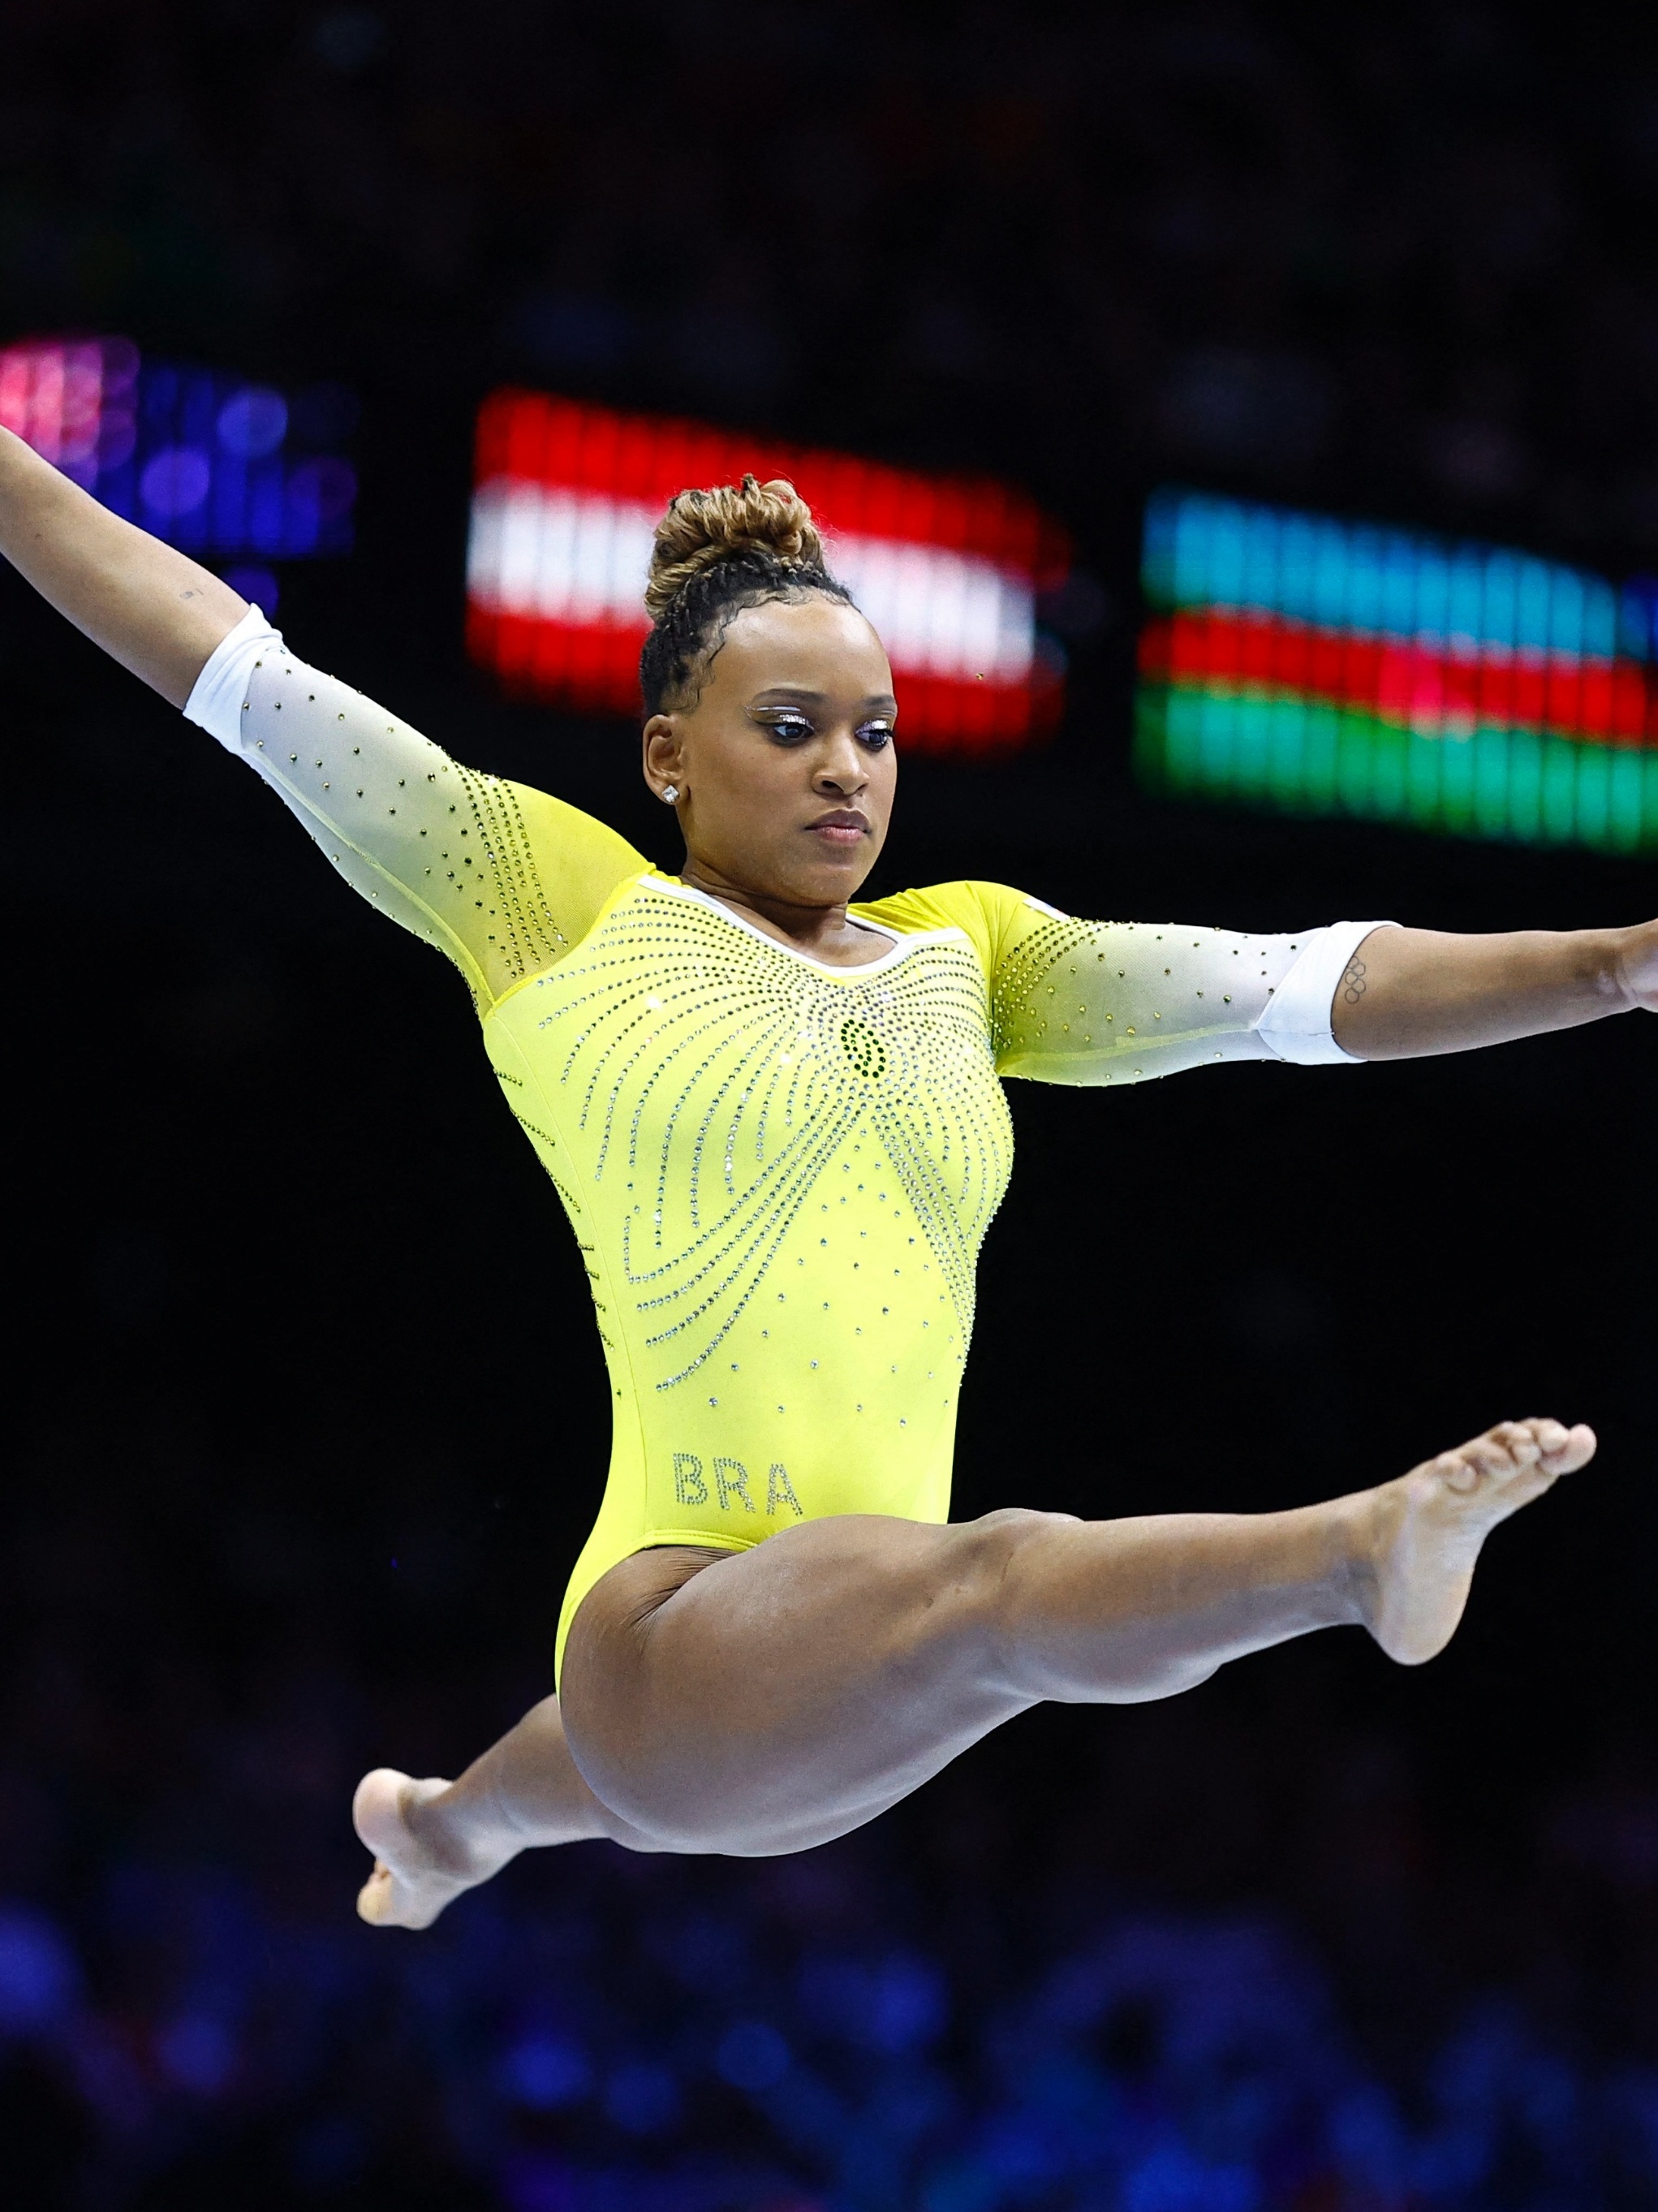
717, 552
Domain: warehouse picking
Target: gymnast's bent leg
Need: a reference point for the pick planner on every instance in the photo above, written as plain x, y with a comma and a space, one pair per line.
766, 1701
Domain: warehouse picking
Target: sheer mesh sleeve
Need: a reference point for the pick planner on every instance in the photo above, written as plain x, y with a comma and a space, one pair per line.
1097, 1002
1115, 1002
500, 877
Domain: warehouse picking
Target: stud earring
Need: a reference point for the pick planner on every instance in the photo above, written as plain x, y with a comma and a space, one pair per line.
671, 795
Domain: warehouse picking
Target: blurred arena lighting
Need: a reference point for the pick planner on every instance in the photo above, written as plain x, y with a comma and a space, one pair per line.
947, 568
1322, 666
210, 462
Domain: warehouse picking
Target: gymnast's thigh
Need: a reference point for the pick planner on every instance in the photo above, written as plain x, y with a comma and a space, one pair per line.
766, 1700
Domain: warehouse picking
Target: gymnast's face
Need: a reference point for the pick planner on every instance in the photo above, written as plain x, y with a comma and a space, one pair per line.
785, 765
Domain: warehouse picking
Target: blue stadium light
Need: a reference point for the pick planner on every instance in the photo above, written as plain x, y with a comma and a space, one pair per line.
223, 467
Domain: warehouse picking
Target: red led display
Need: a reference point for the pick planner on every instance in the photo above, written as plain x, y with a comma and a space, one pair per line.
947, 568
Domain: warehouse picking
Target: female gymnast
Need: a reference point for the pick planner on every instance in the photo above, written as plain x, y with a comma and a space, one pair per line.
775, 1120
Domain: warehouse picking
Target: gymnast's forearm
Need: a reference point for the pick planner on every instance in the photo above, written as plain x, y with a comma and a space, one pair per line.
1411, 992
151, 608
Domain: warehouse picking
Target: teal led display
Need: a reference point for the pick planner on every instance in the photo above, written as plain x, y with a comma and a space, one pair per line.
1323, 666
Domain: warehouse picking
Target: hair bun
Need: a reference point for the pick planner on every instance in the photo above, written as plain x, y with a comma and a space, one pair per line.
702, 527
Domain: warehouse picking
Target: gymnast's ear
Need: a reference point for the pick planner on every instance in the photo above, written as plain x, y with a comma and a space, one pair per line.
664, 753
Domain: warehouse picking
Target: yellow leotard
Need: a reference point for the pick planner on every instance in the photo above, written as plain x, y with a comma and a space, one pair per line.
779, 1173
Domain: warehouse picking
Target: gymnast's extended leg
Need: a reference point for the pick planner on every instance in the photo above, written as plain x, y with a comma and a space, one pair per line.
764, 1702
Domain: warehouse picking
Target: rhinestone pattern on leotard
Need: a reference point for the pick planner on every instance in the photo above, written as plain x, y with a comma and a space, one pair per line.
726, 1084
780, 1177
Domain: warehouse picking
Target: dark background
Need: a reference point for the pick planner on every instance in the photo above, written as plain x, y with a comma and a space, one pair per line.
307, 1414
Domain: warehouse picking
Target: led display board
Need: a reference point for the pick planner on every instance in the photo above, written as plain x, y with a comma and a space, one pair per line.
948, 569
210, 462
1324, 667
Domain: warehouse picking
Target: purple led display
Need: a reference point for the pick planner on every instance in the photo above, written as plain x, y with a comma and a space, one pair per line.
210, 462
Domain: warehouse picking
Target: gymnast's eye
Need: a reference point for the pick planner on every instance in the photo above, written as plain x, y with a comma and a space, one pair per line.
875, 735
788, 729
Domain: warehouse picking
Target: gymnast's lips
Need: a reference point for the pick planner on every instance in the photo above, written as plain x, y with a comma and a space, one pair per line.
844, 827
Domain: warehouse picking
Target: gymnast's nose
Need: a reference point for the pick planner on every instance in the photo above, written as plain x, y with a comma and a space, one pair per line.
842, 770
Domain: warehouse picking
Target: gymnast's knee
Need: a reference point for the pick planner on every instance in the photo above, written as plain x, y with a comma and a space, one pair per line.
996, 1549
1007, 1534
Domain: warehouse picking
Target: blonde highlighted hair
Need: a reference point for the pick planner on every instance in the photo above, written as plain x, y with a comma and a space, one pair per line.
716, 552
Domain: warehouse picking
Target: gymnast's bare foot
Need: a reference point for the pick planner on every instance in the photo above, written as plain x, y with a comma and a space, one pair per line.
415, 1876
1425, 1530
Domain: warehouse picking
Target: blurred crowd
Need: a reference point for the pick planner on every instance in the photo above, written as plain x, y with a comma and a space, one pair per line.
962, 2010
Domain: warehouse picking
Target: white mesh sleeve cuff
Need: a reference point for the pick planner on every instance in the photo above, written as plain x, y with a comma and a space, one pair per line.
1297, 1024
217, 698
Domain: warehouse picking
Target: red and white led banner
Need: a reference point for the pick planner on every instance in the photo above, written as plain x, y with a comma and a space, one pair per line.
946, 568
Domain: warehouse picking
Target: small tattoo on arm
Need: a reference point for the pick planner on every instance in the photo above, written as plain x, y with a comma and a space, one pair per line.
1352, 983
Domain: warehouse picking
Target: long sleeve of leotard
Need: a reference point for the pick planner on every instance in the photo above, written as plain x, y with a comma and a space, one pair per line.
1099, 1002
502, 878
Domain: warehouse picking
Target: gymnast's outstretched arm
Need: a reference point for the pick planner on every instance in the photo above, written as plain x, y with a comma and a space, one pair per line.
1096, 1003
1410, 992
501, 878
153, 609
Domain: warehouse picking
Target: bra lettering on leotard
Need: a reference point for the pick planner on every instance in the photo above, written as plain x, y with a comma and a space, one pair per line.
732, 1478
